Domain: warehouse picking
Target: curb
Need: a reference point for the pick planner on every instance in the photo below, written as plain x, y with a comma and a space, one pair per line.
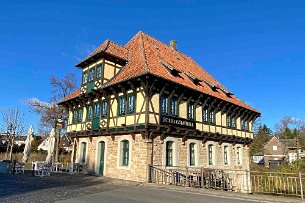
225, 194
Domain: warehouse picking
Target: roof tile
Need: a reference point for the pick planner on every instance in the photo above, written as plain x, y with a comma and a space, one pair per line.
146, 54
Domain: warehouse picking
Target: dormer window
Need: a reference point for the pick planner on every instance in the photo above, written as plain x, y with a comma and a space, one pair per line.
99, 69
195, 80
85, 77
173, 71
229, 94
215, 87
91, 75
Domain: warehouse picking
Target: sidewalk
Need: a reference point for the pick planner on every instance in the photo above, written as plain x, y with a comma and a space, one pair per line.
226, 194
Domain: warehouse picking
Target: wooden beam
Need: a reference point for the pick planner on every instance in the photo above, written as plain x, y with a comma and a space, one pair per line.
198, 100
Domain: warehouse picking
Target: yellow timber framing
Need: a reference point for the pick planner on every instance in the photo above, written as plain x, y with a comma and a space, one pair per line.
146, 117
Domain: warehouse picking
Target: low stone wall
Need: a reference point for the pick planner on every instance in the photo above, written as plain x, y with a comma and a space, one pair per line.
144, 152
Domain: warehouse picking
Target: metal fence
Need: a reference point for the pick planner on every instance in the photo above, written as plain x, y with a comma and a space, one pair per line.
229, 180
290, 184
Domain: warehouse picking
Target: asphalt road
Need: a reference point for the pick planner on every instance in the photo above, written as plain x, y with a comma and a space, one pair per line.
152, 194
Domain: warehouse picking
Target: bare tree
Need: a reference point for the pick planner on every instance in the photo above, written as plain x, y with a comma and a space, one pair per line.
49, 111
294, 124
282, 125
13, 123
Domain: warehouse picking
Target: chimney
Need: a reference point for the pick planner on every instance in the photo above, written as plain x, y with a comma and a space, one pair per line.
173, 44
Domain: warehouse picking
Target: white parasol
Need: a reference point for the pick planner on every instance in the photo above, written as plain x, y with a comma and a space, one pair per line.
28, 144
51, 145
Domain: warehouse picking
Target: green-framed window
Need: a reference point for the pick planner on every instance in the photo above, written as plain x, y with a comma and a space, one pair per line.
99, 70
96, 110
173, 107
89, 113
104, 109
131, 101
125, 152
242, 124
122, 105
212, 117
192, 154
85, 77
163, 105
91, 75
205, 115
74, 116
231, 121
169, 153
191, 111
80, 115
246, 125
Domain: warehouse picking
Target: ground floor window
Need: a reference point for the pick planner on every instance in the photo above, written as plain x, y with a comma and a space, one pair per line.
192, 154
211, 154
169, 153
125, 152
238, 155
225, 155
83, 152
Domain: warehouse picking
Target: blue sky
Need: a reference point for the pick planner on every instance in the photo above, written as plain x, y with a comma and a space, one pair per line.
255, 48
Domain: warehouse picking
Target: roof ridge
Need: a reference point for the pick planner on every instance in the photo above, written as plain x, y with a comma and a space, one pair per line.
143, 53
107, 45
133, 38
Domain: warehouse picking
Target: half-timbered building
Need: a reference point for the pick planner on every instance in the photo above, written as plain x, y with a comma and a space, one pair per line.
145, 103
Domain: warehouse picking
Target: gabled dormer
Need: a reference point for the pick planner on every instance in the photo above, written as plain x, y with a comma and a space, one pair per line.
102, 65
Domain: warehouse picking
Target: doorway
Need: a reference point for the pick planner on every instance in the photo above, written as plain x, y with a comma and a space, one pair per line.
101, 153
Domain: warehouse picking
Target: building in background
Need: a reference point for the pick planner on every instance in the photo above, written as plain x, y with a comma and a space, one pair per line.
145, 103
279, 151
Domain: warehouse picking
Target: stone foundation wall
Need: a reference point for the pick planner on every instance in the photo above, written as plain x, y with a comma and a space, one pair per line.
142, 152
138, 157
202, 153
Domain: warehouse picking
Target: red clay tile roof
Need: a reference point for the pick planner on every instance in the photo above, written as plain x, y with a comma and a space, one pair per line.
71, 96
148, 55
108, 47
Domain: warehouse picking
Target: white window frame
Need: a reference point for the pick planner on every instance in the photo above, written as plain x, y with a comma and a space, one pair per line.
120, 151
224, 145
197, 144
175, 151
213, 153
240, 154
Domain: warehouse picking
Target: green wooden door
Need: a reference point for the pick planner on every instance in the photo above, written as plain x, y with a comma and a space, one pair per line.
90, 84
102, 157
96, 117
